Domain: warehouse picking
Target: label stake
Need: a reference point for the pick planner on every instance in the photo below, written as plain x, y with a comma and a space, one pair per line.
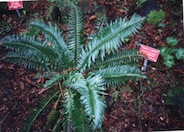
18, 13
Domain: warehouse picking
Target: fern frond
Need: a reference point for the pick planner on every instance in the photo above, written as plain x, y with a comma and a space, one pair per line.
26, 61
108, 40
54, 114
36, 112
75, 28
26, 43
53, 80
31, 32
75, 117
27, 48
121, 58
101, 21
91, 90
45, 74
53, 35
81, 122
50, 11
68, 107
58, 125
52, 118
119, 74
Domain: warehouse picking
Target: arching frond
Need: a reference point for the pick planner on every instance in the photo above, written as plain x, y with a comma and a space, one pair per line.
91, 90
27, 43
45, 74
93, 102
75, 28
68, 107
121, 58
101, 21
24, 60
81, 122
29, 52
52, 118
53, 80
54, 114
118, 74
36, 112
75, 117
108, 40
53, 35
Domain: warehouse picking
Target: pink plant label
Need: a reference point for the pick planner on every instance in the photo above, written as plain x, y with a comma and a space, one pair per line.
149, 53
13, 5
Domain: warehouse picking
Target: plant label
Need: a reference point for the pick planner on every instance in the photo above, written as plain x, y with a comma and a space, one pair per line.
13, 5
149, 53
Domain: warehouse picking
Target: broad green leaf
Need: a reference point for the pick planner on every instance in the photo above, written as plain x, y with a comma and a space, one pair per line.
169, 60
171, 41
180, 53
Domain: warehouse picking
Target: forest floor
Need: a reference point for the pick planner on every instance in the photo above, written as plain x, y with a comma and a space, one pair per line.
137, 106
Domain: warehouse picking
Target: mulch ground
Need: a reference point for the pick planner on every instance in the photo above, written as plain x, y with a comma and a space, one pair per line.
136, 106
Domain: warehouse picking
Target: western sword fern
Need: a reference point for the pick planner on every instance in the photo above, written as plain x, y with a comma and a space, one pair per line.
81, 71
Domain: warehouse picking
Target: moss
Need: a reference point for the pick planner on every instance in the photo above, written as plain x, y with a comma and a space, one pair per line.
154, 17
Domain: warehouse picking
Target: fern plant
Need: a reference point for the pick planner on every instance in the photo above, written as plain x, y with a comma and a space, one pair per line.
79, 69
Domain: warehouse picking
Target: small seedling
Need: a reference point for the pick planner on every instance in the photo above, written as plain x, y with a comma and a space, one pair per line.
169, 54
171, 41
180, 54
161, 27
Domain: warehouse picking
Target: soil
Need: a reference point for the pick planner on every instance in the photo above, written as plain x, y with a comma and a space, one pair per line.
137, 106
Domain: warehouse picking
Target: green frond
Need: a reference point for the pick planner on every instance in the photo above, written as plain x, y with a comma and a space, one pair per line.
26, 61
91, 90
69, 101
31, 32
52, 118
75, 118
75, 29
26, 43
45, 74
108, 40
68, 107
58, 125
119, 74
81, 123
27, 48
36, 112
50, 11
101, 21
53, 80
54, 114
121, 58
53, 35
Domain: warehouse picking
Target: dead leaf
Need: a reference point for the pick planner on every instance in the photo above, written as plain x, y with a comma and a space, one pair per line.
22, 85
40, 91
92, 17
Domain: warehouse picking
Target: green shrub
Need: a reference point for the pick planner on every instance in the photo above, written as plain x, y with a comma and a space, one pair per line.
78, 68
